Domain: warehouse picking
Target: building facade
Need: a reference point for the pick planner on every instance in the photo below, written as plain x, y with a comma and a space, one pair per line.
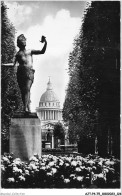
49, 113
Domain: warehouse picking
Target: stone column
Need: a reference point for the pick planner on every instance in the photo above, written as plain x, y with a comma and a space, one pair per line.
52, 140
49, 114
44, 115
41, 115
56, 114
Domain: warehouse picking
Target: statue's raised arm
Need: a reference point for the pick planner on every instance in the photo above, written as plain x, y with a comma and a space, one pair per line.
36, 52
25, 71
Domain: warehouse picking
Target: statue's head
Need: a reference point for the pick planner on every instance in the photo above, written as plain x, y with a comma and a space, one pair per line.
21, 41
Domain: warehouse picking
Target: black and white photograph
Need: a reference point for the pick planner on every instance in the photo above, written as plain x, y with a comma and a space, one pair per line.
60, 97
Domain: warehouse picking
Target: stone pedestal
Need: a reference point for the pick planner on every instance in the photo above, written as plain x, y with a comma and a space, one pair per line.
25, 136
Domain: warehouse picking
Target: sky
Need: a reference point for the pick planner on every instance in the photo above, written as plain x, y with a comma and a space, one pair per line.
59, 22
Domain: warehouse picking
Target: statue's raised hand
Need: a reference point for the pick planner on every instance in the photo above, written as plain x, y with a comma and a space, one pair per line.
43, 39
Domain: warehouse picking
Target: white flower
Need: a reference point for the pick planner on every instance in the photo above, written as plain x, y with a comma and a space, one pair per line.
108, 162
61, 163
94, 177
100, 175
15, 169
29, 167
43, 168
77, 169
50, 156
89, 169
111, 169
73, 163
62, 176
49, 174
19, 170
112, 162
79, 163
2, 168
54, 170
33, 166
66, 180
11, 180
33, 158
94, 167
106, 170
82, 167
100, 163
57, 166
80, 178
26, 172
44, 156
51, 164
42, 164
68, 159
17, 161
21, 178
91, 162
101, 159
5, 159
72, 176
67, 164
47, 166
79, 158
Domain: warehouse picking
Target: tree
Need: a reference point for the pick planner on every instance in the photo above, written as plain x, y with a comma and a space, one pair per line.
10, 93
59, 132
94, 69
7, 37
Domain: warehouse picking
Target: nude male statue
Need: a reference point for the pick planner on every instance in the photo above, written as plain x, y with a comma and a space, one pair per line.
25, 71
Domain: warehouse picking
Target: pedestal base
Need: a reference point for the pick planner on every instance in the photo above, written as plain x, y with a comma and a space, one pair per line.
25, 136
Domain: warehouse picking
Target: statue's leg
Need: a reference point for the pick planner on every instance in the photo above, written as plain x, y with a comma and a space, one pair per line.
27, 95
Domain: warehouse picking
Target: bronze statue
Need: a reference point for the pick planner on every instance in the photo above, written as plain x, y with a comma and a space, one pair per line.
25, 71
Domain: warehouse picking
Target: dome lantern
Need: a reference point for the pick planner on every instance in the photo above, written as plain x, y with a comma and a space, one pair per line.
49, 85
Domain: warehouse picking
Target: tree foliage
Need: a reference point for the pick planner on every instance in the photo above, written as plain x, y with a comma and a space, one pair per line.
10, 93
59, 131
92, 104
7, 36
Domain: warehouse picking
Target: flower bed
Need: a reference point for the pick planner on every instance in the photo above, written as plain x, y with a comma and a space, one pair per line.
50, 171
